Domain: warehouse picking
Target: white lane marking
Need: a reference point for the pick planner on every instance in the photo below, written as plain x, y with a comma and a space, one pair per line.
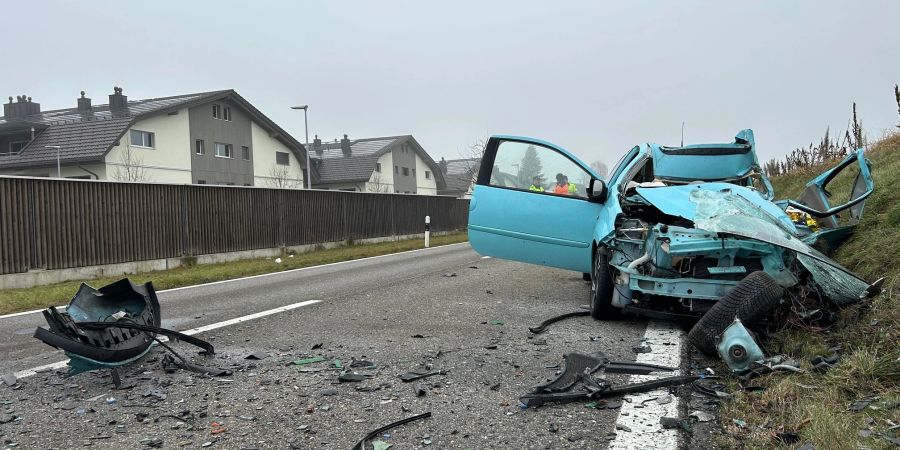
640, 412
266, 274
60, 364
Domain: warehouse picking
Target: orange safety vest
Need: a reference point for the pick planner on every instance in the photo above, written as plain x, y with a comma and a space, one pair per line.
563, 189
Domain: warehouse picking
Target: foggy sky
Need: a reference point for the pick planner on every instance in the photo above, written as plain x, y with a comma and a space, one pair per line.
596, 78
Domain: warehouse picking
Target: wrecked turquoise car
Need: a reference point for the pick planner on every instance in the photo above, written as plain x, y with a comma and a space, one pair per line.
671, 230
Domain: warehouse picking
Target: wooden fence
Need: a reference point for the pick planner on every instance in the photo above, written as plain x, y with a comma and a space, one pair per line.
55, 224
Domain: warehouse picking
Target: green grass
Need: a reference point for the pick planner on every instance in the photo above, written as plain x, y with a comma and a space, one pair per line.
869, 333
15, 300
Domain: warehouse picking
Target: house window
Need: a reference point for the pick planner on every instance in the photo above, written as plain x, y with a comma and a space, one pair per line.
201, 181
406, 171
378, 167
245, 153
427, 175
200, 147
142, 138
282, 159
14, 148
223, 150
216, 112
414, 172
396, 169
227, 114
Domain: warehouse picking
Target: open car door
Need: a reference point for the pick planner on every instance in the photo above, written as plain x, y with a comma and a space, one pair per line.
833, 202
532, 203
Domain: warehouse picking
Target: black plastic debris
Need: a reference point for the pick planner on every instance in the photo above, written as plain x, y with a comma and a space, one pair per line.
543, 326
418, 373
576, 382
675, 423
362, 442
170, 363
822, 364
643, 348
420, 390
361, 363
351, 377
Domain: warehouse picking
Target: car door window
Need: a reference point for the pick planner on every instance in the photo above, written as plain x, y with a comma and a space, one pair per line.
535, 168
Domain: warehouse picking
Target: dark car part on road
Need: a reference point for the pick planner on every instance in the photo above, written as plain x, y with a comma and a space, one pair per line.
543, 326
748, 301
109, 327
361, 445
580, 366
418, 373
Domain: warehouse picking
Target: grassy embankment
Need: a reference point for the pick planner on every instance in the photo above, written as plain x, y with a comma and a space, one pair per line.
15, 300
816, 405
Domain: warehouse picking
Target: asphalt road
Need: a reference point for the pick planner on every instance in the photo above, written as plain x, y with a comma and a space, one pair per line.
398, 311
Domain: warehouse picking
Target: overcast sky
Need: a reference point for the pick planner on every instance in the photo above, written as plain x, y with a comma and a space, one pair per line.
594, 77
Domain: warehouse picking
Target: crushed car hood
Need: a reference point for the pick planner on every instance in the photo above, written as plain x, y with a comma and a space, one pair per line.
739, 211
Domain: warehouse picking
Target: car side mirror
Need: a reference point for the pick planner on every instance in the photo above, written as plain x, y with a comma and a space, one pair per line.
597, 191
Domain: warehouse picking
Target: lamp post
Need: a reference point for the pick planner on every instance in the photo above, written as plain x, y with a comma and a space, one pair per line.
58, 168
306, 145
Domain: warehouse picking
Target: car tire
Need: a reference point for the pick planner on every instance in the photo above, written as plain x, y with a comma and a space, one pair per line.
749, 301
602, 290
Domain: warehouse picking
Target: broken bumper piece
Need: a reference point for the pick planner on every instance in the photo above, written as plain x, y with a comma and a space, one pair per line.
108, 327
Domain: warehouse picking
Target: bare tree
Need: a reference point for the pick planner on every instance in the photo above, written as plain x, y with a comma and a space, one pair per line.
130, 166
472, 156
280, 177
377, 185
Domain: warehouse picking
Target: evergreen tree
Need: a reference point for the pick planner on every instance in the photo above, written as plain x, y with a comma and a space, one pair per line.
530, 167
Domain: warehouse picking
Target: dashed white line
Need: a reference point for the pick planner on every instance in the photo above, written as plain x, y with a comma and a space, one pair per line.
60, 364
640, 413
266, 275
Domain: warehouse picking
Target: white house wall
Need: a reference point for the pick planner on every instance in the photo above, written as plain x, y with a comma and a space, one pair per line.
169, 161
383, 181
264, 148
424, 186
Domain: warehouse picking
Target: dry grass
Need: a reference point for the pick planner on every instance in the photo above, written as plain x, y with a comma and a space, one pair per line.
869, 334
15, 300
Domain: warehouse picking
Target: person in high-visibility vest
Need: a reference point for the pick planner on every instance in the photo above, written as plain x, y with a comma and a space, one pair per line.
563, 187
536, 184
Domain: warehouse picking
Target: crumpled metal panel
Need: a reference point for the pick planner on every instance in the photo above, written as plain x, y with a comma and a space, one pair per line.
729, 209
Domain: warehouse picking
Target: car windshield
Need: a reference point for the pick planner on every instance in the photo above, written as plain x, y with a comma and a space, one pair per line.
617, 169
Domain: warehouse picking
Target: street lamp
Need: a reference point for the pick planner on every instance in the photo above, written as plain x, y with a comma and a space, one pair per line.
58, 169
306, 145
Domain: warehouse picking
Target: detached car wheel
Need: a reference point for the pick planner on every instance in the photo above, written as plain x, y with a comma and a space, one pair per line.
749, 301
602, 290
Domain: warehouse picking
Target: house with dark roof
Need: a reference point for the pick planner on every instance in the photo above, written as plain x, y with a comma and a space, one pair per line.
392, 164
213, 137
459, 175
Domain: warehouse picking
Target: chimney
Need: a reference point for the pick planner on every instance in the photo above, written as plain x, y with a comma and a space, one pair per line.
345, 146
84, 103
443, 165
117, 100
317, 145
21, 108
